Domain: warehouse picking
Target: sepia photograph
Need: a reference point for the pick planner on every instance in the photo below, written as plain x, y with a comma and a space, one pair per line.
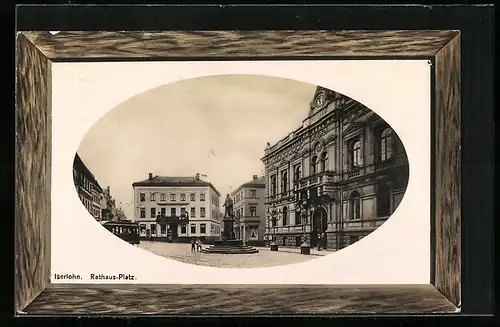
241, 171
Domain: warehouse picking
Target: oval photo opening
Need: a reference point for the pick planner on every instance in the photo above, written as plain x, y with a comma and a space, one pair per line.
241, 171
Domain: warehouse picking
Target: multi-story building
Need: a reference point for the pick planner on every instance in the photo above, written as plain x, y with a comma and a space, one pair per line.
177, 207
108, 205
249, 210
342, 173
89, 190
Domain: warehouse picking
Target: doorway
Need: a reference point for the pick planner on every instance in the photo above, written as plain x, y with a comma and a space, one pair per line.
319, 225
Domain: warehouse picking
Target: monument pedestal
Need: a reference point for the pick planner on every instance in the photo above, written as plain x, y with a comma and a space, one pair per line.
229, 244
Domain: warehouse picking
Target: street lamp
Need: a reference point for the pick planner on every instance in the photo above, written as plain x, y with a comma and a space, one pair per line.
273, 217
302, 207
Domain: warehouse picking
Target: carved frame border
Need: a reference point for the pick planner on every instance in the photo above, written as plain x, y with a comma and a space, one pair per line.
35, 52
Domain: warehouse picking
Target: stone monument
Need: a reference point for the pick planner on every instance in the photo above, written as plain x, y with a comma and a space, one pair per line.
229, 244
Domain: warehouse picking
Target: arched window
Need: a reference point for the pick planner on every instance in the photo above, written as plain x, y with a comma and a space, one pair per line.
356, 154
386, 144
314, 165
285, 216
324, 161
355, 205
284, 181
273, 219
297, 173
383, 201
273, 185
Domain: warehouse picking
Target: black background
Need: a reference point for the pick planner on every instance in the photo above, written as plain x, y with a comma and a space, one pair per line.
476, 24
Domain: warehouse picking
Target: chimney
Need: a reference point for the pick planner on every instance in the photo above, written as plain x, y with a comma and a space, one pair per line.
150, 176
255, 177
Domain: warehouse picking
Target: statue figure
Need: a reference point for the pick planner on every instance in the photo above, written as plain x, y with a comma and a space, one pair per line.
228, 204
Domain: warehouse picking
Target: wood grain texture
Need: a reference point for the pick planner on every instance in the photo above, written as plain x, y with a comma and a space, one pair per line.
33, 166
447, 171
272, 299
239, 43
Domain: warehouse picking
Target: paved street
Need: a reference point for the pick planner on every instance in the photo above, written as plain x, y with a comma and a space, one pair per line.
265, 258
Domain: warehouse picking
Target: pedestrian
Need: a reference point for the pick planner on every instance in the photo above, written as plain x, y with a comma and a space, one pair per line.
192, 245
198, 245
319, 241
325, 241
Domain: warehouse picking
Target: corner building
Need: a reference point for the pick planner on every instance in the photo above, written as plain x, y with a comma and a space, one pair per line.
177, 208
342, 173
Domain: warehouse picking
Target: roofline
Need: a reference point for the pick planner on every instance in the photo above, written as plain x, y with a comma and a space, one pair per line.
88, 170
147, 184
249, 184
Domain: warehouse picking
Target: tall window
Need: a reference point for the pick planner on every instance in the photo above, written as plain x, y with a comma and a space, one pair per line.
183, 229
314, 165
172, 197
202, 197
163, 197
193, 212
273, 185
163, 211
152, 197
143, 213
324, 161
163, 229
355, 205
193, 197
183, 211
253, 194
153, 212
285, 216
383, 201
356, 154
296, 173
173, 212
202, 212
193, 229
253, 211
183, 197
203, 228
385, 144
284, 181
153, 229
142, 197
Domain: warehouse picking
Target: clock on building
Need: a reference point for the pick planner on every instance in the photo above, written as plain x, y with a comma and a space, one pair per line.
319, 100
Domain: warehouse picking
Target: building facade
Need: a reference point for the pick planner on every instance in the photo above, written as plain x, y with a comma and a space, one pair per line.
249, 210
108, 206
89, 190
342, 174
177, 207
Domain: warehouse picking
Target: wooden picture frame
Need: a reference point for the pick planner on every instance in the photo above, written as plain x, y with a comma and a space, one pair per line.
36, 51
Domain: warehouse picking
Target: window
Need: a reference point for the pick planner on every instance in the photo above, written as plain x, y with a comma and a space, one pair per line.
203, 228
355, 205
153, 212
253, 211
163, 197
324, 161
314, 165
253, 194
274, 220
152, 197
193, 212
173, 212
284, 181
142, 227
193, 229
356, 154
172, 197
285, 216
202, 212
296, 173
385, 144
202, 197
143, 213
153, 229
183, 197
163, 211
383, 201
193, 197
183, 212
183, 229
142, 197
273, 185
163, 229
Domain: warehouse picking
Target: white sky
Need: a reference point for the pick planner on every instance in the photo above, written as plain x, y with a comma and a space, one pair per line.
171, 131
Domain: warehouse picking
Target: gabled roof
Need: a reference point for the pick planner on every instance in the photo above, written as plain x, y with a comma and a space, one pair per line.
78, 164
257, 183
172, 181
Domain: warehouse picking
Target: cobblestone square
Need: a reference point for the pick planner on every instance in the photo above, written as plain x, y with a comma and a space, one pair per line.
265, 258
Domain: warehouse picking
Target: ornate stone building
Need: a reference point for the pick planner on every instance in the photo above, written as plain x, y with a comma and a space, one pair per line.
89, 190
342, 173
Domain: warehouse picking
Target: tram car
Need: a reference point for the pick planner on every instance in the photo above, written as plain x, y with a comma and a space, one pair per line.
126, 230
